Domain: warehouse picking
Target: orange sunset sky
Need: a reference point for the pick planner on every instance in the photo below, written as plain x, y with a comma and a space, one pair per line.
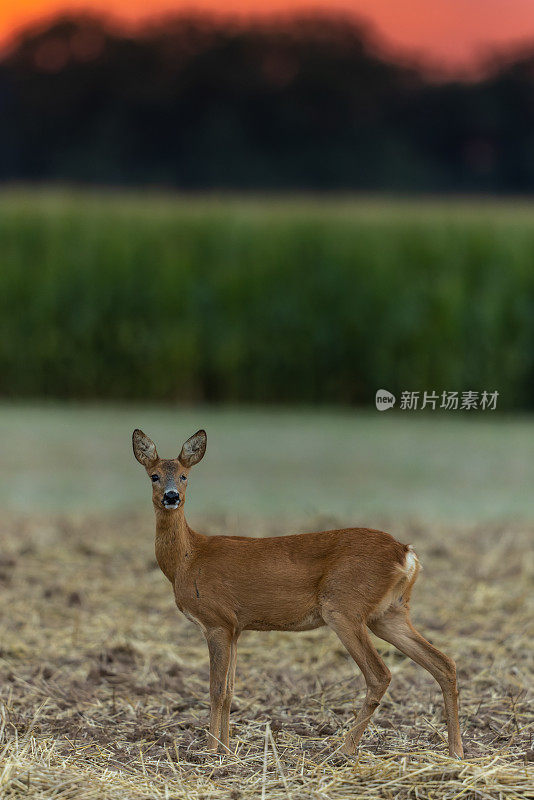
451, 32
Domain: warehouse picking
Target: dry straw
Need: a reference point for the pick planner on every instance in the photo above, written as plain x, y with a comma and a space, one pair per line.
104, 687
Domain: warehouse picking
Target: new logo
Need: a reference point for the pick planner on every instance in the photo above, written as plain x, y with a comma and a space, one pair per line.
384, 400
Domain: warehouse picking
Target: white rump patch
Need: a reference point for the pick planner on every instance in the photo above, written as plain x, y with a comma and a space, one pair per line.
407, 575
411, 565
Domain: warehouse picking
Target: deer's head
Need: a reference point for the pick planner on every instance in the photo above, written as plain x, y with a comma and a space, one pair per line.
168, 475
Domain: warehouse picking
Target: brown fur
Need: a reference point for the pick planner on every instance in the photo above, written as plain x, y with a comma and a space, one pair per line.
349, 579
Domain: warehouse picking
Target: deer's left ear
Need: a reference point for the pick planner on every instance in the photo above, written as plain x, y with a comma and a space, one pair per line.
193, 450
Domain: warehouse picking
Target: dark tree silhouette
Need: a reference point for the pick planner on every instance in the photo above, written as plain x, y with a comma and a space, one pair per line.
294, 104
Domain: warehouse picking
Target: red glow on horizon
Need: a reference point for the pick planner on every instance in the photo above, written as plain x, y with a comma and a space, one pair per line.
453, 33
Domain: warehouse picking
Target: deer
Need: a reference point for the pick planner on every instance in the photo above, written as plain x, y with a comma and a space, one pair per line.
353, 580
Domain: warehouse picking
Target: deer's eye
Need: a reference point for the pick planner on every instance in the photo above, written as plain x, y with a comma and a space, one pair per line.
183, 478
154, 478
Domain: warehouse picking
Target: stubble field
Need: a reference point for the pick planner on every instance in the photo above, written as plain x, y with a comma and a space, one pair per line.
104, 685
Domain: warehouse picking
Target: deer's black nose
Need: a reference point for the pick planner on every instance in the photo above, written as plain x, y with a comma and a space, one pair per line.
171, 498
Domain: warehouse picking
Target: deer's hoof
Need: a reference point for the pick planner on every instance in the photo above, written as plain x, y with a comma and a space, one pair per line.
350, 747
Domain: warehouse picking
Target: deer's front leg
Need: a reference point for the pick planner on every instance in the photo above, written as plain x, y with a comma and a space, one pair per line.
220, 647
225, 716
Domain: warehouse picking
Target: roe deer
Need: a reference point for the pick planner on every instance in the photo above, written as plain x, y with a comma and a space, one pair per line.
351, 580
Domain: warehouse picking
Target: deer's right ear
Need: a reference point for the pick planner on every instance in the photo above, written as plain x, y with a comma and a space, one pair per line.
144, 448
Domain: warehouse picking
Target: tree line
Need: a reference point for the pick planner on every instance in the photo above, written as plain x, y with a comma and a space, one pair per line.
302, 103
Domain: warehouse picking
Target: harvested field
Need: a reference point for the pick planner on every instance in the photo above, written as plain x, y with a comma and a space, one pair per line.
104, 685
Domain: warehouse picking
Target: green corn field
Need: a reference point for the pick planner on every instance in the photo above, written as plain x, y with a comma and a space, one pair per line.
251, 300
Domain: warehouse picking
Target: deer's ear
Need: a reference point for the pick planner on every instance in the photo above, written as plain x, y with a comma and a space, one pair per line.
194, 449
144, 448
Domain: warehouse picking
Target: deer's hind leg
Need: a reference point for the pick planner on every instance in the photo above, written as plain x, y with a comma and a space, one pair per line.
395, 627
353, 634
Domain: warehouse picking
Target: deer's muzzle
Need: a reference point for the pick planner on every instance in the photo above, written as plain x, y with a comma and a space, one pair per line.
171, 499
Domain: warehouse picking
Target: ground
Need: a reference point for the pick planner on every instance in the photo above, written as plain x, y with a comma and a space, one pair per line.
104, 685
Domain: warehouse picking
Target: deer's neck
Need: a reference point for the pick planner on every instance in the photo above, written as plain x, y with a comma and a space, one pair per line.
173, 541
